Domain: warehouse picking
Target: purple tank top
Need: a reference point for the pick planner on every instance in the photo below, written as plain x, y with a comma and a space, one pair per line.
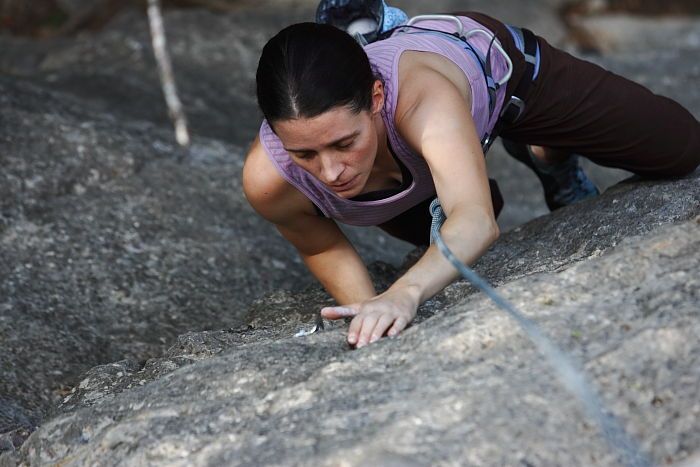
384, 57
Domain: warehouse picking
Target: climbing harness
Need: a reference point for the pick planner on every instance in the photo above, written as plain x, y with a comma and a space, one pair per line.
525, 41
373, 20
462, 38
514, 107
569, 374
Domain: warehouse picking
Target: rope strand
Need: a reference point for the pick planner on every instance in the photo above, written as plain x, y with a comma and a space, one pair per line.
569, 374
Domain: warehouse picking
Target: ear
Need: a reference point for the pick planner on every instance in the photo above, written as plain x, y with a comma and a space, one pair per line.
377, 97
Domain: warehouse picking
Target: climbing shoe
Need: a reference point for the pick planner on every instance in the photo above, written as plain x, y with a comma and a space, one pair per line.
564, 183
361, 17
365, 20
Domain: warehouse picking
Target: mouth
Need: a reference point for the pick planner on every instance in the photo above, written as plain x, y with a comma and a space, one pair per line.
343, 186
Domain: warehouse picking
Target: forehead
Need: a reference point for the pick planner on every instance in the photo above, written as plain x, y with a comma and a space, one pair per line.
320, 130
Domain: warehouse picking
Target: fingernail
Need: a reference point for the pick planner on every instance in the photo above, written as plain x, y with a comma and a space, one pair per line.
352, 339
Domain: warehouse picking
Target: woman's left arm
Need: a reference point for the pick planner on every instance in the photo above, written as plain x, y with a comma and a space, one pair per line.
435, 120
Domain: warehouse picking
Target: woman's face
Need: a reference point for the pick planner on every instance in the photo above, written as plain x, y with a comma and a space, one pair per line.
338, 147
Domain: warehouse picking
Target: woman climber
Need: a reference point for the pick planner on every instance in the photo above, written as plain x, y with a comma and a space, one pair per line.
370, 135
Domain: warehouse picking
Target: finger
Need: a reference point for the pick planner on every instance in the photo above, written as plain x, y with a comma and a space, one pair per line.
354, 329
366, 332
380, 328
398, 326
337, 312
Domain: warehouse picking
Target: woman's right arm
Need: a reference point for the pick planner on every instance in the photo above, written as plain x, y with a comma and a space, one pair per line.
323, 247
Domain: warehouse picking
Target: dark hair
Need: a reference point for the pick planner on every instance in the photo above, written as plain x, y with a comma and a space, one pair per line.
309, 68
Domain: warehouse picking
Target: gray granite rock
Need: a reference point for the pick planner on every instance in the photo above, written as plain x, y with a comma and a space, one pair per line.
627, 33
462, 387
214, 58
107, 242
113, 242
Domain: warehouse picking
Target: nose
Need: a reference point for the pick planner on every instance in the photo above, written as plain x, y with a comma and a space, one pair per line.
331, 169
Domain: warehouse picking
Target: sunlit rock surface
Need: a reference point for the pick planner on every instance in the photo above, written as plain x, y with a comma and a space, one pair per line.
461, 386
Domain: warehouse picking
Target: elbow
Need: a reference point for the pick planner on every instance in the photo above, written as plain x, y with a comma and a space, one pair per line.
482, 225
478, 225
492, 232
488, 227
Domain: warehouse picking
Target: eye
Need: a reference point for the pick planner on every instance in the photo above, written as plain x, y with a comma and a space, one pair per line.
345, 145
303, 155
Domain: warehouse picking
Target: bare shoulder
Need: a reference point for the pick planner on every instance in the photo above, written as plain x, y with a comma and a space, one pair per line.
431, 101
268, 192
291, 211
428, 75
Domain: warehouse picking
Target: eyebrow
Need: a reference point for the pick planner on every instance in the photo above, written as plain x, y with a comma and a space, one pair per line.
337, 141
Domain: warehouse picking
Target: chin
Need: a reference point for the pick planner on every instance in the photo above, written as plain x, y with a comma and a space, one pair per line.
347, 194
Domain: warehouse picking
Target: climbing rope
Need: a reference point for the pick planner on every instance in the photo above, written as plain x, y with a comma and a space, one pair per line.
569, 374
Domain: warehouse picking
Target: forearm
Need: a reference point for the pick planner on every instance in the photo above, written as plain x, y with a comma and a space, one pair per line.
468, 234
342, 273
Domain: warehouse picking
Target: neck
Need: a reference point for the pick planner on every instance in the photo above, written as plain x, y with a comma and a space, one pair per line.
385, 173
384, 160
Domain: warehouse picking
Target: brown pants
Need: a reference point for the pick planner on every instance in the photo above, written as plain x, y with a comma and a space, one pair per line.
579, 107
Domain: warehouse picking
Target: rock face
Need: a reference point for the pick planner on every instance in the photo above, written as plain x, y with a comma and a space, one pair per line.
461, 387
114, 244
112, 240
110, 247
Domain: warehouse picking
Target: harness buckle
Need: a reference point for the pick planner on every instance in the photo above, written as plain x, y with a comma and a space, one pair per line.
486, 143
518, 104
